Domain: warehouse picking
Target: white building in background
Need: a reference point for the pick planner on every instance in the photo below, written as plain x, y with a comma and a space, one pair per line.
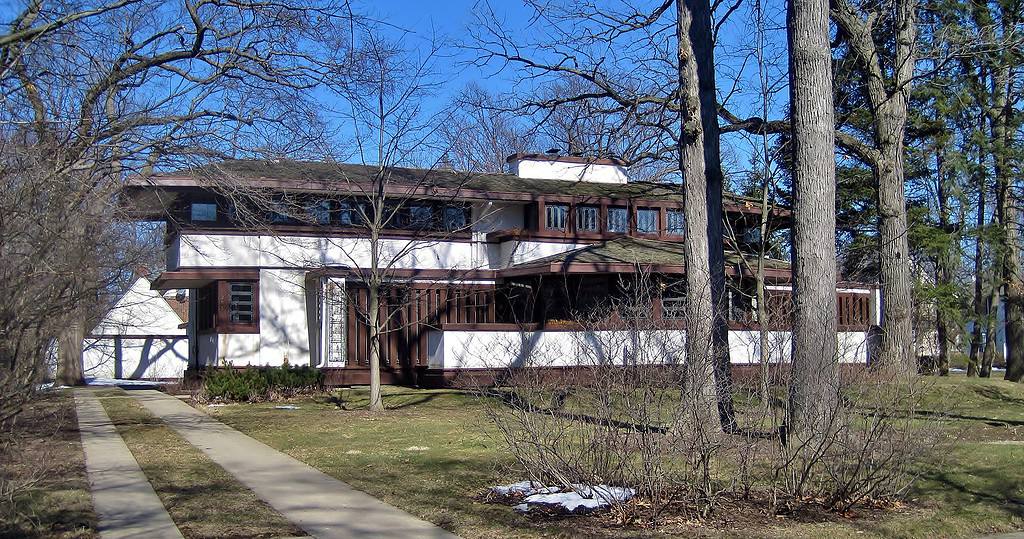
143, 336
486, 271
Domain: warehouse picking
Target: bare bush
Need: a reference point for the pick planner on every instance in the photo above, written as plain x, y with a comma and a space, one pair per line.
607, 403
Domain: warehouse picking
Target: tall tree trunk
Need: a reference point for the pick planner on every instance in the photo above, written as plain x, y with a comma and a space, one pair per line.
1009, 231
70, 371
375, 337
896, 350
704, 56
979, 263
814, 387
700, 390
944, 268
991, 326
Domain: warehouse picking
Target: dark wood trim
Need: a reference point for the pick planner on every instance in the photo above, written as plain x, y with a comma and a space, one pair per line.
198, 277
410, 273
228, 229
576, 159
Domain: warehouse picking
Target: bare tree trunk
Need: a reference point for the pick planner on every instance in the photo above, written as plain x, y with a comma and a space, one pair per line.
701, 302
944, 267
991, 325
70, 371
889, 95
896, 350
979, 265
373, 313
814, 374
704, 56
1009, 232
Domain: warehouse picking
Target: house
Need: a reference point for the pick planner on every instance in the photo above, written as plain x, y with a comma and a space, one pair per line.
142, 336
484, 270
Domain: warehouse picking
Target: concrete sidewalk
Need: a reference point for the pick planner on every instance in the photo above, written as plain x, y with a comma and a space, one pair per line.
124, 500
323, 506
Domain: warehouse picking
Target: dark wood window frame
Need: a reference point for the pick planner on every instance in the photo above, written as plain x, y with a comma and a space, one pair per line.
213, 307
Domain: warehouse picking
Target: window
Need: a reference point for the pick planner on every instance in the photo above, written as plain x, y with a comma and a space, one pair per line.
586, 218
320, 211
673, 308
240, 304
204, 211
421, 217
647, 221
555, 216
675, 223
348, 214
454, 218
618, 219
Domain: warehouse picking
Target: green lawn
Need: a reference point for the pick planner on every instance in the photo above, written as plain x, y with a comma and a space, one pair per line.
203, 499
433, 451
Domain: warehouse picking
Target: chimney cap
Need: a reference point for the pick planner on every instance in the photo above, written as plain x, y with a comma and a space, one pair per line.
522, 156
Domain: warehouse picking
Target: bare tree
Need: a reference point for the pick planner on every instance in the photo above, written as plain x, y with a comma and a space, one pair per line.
815, 371
625, 70
94, 92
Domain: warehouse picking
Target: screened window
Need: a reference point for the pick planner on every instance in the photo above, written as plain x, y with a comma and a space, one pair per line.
204, 211
618, 219
675, 223
348, 214
647, 221
240, 303
421, 217
320, 212
586, 218
674, 308
454, 217
555, 216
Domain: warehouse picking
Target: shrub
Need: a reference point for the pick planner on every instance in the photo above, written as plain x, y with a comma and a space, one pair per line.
261, 383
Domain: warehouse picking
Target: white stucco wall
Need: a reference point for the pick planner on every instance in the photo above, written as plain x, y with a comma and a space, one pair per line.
546, 169
135, 357
517, 252
501, 349
238, 349
213, 250
284, 327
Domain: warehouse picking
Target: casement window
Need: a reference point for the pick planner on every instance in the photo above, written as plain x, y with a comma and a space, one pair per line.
674, 222
349, 213
673, 308
454, 218
320, 211
242, 302
421, 217
556, 216
228, 307
618, 219
586, 218
647, 221
203, 211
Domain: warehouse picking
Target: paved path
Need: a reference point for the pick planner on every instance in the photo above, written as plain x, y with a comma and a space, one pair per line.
323, 506
122, 496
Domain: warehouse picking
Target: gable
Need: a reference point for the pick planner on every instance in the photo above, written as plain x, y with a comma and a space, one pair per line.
140, 312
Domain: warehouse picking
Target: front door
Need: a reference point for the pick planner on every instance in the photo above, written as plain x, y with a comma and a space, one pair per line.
334, 344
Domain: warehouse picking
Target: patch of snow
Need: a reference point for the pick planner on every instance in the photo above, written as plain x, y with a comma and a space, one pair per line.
286, 407
957, 369
523, 488
217, 405
353, 452
121, 382
417, 448
581, 499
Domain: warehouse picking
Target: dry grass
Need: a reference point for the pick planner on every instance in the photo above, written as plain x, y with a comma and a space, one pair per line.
976, 490
45, 449
203, 499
